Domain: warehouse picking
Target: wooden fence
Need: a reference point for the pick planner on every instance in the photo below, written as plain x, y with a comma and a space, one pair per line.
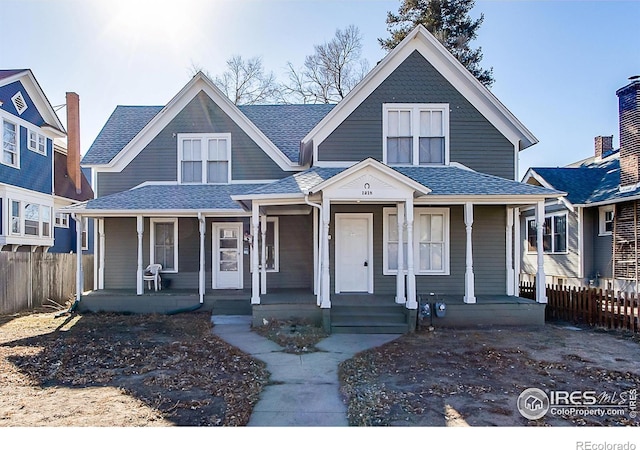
27, 280
590, 306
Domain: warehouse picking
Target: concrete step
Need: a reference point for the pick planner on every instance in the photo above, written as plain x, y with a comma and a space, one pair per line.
234, 307
371, 329
368, 318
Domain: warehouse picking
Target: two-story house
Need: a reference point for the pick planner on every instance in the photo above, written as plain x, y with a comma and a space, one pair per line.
591, 235
37, 177
405, 188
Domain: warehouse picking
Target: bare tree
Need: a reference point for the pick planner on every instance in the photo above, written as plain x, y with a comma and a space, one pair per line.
245, 82
330, 72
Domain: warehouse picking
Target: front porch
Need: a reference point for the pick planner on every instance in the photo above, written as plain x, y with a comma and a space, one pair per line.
350, 313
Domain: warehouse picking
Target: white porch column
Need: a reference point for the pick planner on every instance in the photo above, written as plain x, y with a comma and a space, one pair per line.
201, 285
400, 297
516, 251
255, 271
469, 278
411, 276
509, 247
79, 268
263, 262
325, 280
316, 255
541, 294
101, 248
139, 281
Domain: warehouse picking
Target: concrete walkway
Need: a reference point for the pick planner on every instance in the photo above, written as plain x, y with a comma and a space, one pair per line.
303, 389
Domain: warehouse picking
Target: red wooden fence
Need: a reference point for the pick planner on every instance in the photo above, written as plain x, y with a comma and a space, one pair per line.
589, 306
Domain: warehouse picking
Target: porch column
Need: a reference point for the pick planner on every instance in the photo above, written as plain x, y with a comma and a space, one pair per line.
411, 276
541, 294
79, 268
101, 248
400, 297
325, 280
263, 262
202, 228
469, 278
139, 281
316, 255
516, 250
509, 234
255, 274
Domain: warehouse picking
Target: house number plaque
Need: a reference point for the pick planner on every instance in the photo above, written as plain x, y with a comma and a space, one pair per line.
366, 189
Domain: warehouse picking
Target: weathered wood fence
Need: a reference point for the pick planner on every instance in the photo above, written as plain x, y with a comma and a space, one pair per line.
29, 279
590, 306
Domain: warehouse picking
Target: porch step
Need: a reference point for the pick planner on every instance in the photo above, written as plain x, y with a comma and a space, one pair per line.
373, 319
231, 307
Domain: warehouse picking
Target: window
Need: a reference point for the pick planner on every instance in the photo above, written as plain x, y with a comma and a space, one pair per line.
204, 158
46, 221
31, 219
416, 134
554, 234
37, 142
16, 217
19, 103
62, 220
430, 246
164, 244
606, 220
10, 147
272, 245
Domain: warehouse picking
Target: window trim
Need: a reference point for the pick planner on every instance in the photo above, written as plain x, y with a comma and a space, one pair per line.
553, 233
204, 150
415, 109
17, 144
417, 212
22, 218
602, 211
36, 143
84, 239
152, 249
61, 220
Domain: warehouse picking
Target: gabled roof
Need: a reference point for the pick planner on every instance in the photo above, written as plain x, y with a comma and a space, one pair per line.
592, 183
35, 92
433, 51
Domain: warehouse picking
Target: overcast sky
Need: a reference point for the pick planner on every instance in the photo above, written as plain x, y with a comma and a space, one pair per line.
557, 64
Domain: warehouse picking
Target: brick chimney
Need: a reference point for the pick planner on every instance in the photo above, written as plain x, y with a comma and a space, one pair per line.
73, 140
629, 110
603, 145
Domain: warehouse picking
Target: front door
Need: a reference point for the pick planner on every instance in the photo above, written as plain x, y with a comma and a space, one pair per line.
227, 256
354, 253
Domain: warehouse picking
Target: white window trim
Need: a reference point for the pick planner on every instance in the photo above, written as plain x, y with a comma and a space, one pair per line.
415, 108
553, 232
203, 153
17, 164
85, 233
23, 203
416, 241
601, 220
61, 220
11, 216
175, 240
36, 147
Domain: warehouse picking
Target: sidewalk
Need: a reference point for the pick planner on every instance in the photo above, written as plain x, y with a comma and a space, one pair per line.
303, 389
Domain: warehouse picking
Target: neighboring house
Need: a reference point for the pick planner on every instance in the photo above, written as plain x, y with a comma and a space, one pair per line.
33, 169
406, 187
591, 235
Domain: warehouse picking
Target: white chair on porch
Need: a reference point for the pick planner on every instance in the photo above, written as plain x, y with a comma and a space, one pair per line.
152, 274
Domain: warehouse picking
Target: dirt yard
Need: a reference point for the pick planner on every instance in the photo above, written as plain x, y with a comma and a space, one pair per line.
133, 371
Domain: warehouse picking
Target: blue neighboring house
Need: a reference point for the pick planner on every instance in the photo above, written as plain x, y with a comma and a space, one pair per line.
592, 236
35, 180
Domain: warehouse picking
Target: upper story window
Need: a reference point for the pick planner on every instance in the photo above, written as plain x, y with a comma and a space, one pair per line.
606, 220
204, 158
37, 142
416, 134
554, 234
10, 146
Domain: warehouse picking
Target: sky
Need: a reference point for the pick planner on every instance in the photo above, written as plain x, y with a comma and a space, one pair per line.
557, 64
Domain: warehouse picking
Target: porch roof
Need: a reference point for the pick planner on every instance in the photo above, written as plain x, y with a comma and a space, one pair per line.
442, 180
169, 197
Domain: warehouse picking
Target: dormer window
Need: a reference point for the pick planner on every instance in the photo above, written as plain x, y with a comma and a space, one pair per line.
204, 158
416, 134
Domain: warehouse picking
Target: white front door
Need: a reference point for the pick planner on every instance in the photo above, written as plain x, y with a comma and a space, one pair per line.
354, 253
227, 256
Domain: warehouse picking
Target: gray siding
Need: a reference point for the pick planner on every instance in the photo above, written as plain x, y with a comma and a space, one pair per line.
473, 140
158, 161
601, 249
121, 242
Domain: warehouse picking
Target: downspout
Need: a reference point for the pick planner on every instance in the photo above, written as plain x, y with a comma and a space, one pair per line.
319, 262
